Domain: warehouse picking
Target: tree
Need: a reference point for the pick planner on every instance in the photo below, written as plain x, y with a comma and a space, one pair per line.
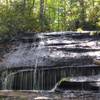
42, 14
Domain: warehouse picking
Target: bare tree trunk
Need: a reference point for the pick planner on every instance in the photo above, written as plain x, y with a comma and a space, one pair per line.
42, 14
82, 13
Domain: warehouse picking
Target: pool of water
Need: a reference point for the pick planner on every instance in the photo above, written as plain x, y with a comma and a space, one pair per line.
45, 95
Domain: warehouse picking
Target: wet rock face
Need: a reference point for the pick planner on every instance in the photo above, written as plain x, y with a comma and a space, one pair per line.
48, 53
53, 49
4, 49
67, 85
28, 37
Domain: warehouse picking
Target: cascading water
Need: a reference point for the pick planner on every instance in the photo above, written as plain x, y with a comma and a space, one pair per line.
57, 55
36, 65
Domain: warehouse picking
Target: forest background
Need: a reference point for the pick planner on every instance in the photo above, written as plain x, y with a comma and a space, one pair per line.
19, 16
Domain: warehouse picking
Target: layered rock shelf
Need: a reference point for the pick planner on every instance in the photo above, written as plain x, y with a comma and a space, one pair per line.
46, 58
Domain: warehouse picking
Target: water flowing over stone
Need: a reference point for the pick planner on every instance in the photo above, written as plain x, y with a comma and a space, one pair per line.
39, 65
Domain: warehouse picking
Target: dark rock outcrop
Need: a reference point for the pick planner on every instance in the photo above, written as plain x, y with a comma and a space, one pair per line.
68, 85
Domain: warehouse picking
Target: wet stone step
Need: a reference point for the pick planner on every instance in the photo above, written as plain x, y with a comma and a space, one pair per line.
74, 49
66, 85
75, 35
81, 67
47, 79
28, 34
29, 39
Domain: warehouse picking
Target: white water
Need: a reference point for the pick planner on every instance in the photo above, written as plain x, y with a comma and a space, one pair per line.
46, 54
25, 54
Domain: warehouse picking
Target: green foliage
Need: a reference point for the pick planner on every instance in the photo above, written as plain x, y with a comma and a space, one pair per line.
17, 18
48, 15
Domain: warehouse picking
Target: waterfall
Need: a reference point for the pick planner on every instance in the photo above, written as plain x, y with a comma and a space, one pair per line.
57, 55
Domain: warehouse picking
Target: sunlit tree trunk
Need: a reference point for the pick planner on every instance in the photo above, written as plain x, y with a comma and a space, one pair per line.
82, 12
42, 14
